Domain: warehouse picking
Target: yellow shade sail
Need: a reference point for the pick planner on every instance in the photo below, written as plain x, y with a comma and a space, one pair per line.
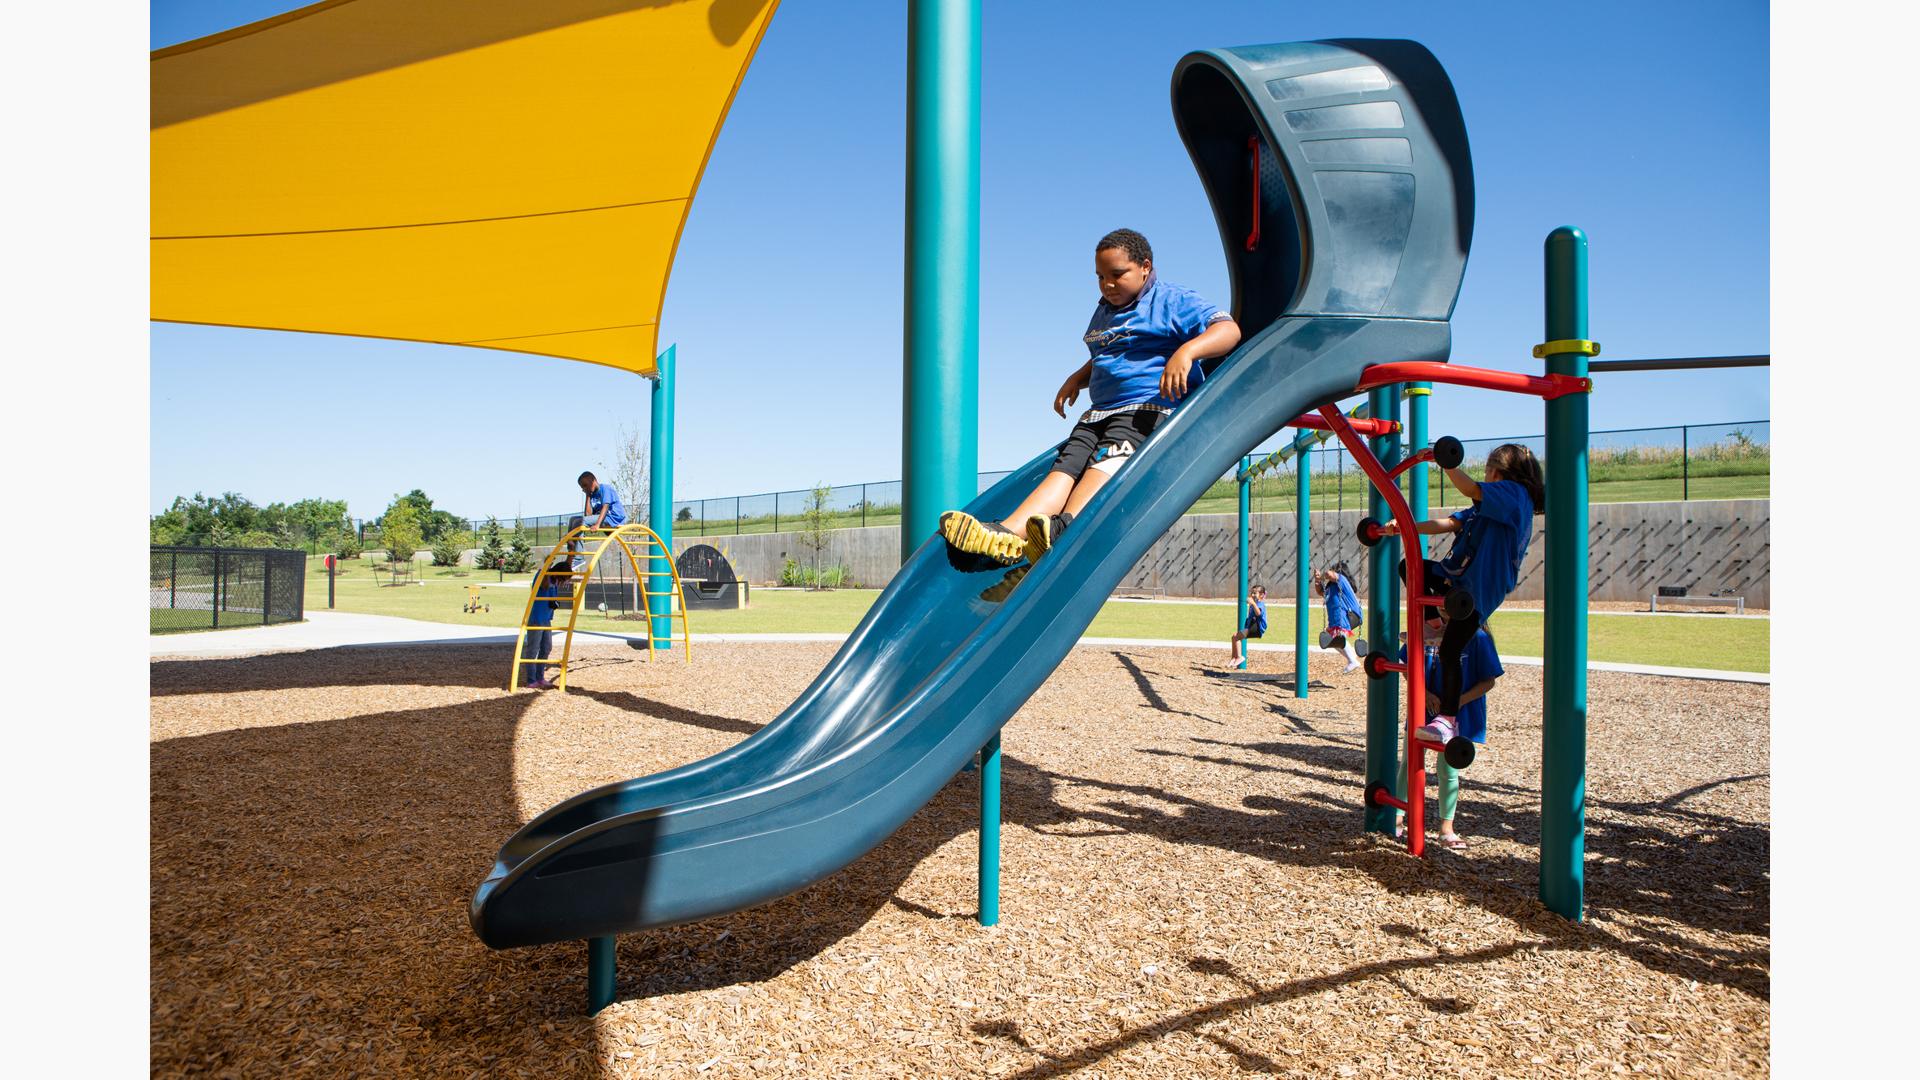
499, 173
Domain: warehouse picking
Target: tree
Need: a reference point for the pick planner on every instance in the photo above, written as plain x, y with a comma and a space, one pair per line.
432, 522
492, 550
815, 525
519, 558
448, 547
685, 514
400, 531
631, 476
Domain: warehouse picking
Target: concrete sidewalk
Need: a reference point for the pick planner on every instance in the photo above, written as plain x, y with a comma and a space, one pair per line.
336, 630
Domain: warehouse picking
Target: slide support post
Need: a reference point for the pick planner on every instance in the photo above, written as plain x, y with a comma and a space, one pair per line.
660, 504
990, 832
599, 974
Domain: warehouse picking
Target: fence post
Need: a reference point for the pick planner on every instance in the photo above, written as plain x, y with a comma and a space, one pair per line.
1683, 463
736, 515
216, 588
266, 588
863, 506
173, 582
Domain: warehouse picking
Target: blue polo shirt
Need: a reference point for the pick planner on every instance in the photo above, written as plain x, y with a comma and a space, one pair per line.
1343, 607
1479, 661
542, 612
1493, 539
605, 495
1129, 346
1257, 617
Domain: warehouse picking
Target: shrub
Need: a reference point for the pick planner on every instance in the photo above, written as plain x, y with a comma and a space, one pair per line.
400, 531
492, 550
347, 545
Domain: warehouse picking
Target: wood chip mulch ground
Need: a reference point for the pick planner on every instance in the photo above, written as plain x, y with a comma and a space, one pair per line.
1185, 889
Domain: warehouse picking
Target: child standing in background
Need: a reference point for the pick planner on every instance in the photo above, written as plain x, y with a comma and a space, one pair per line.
1343, 612
539, 643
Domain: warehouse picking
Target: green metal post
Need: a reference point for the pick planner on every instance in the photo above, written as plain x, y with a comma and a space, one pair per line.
1383, 625
1418, 395
1246, 529
660, 503
599, 974
1563, 751
940, 440
990, 832
1303, 541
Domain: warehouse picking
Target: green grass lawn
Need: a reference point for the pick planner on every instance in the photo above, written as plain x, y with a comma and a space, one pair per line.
1680, 640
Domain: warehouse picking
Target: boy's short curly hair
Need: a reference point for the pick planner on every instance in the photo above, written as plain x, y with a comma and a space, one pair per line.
1127, 240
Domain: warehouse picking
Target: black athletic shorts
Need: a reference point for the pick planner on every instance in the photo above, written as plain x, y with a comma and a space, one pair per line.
1115, 436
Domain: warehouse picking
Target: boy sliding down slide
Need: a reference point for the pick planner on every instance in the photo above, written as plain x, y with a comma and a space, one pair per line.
1144, 343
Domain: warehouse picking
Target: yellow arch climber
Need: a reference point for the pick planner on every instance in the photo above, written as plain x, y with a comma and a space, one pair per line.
594, 543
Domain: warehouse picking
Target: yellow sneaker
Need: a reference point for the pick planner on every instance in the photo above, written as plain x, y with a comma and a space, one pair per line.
1042, 531
975, 537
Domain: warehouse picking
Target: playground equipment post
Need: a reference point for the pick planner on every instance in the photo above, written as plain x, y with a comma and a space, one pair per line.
1246, 502
660, 500
1563, 757
1383, 623
1418, 395
1303, 542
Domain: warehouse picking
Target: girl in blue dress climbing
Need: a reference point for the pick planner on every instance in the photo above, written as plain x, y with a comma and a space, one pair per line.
1491, 539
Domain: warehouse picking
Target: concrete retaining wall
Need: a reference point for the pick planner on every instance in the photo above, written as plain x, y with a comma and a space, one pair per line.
1705, 545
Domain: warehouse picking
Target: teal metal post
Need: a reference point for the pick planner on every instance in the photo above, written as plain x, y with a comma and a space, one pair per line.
660, 503
1246, 529
940, 441
990, 832
1303, 554
1563, 750
599, 974
1418, 395
1383, 625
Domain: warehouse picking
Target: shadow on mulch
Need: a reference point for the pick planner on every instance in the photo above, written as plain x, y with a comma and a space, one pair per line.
355, 845
414, 665
1638, 867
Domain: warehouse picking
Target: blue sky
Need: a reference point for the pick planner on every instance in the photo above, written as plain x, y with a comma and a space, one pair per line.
1646, 124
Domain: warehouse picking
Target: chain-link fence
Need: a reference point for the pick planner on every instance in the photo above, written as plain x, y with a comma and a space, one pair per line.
1700, 461
204, 588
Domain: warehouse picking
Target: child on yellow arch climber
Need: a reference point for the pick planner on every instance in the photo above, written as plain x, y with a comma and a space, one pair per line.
1145, 343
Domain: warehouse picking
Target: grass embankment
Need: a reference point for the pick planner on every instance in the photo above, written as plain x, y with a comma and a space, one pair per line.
1680, 640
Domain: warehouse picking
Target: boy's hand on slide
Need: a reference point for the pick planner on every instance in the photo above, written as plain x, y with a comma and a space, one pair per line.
1173, 381
1391, 528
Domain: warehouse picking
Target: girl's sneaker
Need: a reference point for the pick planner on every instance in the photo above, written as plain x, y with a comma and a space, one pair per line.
1042, 532
1439, 730
975, 537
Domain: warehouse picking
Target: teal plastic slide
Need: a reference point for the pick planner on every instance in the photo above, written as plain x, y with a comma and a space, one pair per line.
1339, 174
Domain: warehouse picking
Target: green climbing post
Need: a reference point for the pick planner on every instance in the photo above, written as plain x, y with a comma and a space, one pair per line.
1383, 624
1563, 750
1246, 528
660, 503
1418, 395
990, 832
1303, 551
940, 419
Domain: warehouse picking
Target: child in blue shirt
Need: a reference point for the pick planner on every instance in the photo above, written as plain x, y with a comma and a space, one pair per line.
1477, 669
1145, 344
1491, 542
1343, 611
1256, 622
539, 643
